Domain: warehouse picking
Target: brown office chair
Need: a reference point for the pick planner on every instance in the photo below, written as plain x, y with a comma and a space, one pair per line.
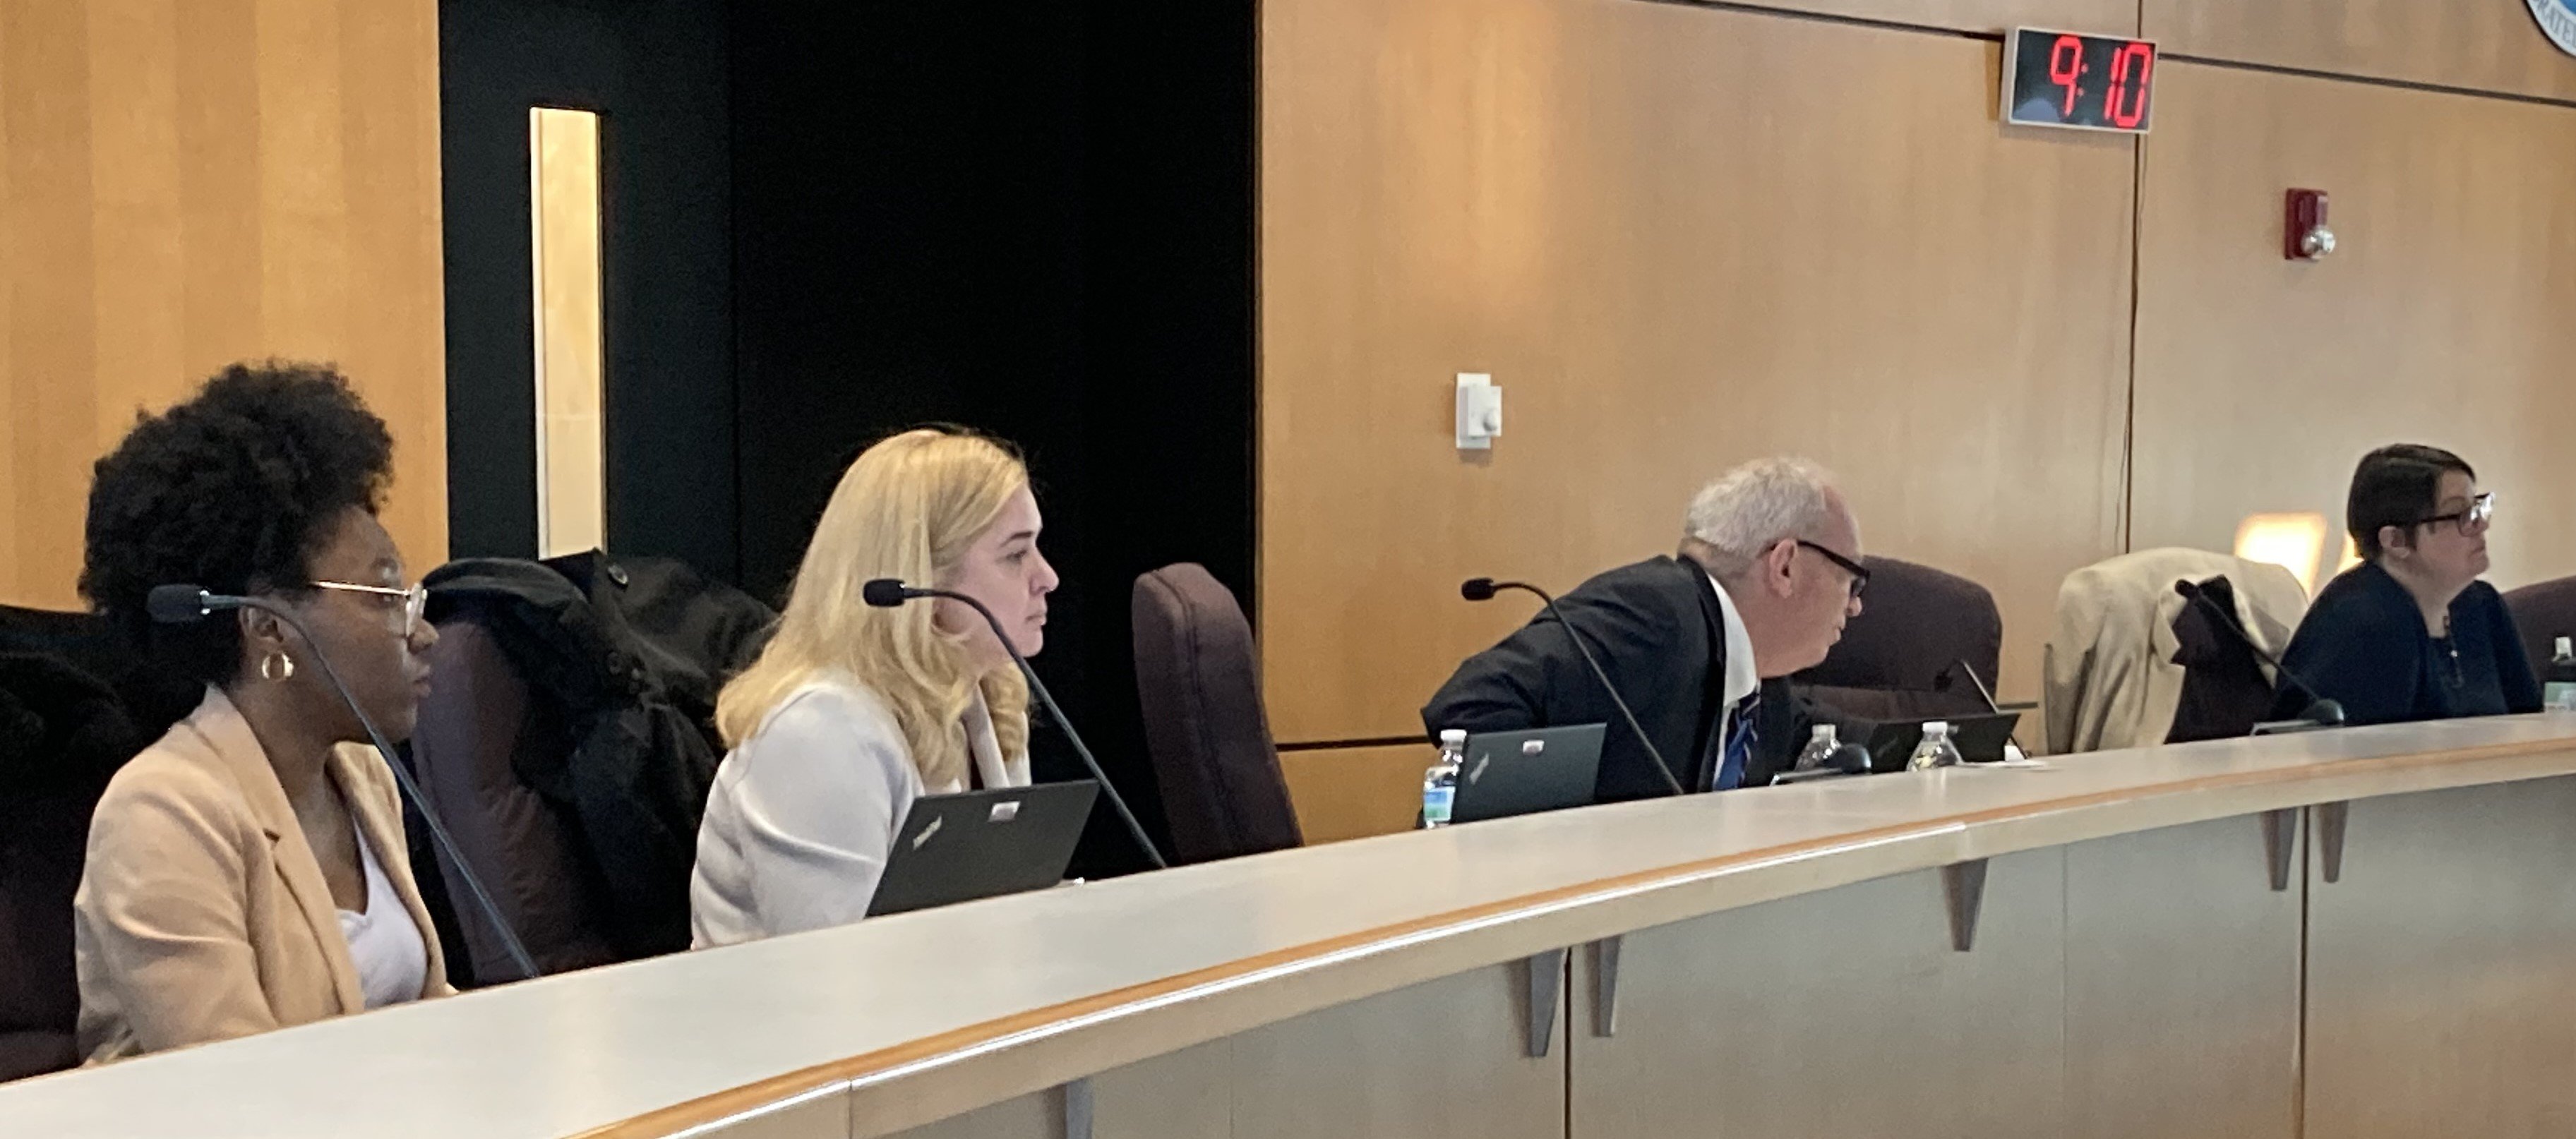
51, 774
1898, 659
474, 725
1199, 679
568, 739
2543, 613
75, 704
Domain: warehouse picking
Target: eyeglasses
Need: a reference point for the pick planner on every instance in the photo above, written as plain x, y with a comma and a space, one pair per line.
1859, 573
2480, 512
415, 599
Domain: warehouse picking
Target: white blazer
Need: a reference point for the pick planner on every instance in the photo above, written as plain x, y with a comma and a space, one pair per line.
803, 813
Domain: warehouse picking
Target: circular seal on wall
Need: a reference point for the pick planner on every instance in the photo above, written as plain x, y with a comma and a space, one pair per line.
2558, 19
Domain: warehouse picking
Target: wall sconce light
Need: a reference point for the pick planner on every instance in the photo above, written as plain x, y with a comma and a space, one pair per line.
2291, 541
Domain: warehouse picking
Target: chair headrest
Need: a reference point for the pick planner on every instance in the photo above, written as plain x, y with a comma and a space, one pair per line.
1915, 622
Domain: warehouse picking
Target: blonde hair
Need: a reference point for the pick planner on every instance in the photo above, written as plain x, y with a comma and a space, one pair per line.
909, 507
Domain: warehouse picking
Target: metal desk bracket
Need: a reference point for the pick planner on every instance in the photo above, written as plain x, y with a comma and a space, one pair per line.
1964, 884
2330, 822
1077, 1108
1546, 982
1605, 986
2280, 842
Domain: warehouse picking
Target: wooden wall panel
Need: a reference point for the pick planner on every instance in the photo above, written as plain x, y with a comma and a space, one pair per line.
2445, 317
1355, 792
1673, 255
184, 183
2106, 17
2485, 45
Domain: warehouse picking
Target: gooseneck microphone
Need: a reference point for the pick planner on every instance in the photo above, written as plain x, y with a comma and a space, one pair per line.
890, 593
189, 604
2320, 712
1484, 588
1960, 664
1983, 693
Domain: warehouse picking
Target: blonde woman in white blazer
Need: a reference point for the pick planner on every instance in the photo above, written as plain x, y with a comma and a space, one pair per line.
852, 712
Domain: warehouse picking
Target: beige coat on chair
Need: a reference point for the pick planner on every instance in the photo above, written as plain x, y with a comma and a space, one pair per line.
202, 914
2110, 681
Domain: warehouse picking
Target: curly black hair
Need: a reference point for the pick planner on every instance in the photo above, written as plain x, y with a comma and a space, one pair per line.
234, 490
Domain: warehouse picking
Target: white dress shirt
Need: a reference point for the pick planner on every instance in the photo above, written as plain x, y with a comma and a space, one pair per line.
802, 815
1741, 675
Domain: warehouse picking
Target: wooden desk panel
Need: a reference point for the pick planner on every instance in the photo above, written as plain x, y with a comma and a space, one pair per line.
2442, 967
2182, 984
949, 1011
1440, 1060
1845, 1012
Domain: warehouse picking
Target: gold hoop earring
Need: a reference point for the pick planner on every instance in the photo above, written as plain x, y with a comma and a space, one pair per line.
276, 666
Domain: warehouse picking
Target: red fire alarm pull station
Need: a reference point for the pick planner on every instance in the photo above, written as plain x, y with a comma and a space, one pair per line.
2305, 236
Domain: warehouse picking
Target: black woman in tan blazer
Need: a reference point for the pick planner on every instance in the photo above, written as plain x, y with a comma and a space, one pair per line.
247, 871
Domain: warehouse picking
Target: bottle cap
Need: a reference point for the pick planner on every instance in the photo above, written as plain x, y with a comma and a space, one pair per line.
1823, 732
1933, 728
1453, 735
2567, 646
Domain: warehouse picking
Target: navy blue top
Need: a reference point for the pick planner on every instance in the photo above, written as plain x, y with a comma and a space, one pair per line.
2364, 645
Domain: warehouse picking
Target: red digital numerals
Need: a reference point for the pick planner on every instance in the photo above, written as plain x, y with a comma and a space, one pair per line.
2131, 68
2065, 66
2124, 101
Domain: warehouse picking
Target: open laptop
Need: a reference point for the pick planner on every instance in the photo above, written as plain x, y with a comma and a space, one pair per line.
1516, 773
1979, 738
982, 844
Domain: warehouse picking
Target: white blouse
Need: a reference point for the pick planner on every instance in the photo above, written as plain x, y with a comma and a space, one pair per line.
802, 815
384, 941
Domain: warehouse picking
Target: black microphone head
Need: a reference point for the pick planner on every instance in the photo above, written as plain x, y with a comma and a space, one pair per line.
176, 604
1850, 759
1477, 589
2325, 712
885, 592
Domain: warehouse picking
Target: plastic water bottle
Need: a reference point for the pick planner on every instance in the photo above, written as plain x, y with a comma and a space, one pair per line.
1820, 748
2560, 691
1936, 750
1440, 784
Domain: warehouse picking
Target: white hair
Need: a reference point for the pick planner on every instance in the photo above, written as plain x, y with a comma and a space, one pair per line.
1751, 508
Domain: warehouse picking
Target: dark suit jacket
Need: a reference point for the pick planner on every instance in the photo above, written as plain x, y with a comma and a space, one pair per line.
2364, 645
1657, 630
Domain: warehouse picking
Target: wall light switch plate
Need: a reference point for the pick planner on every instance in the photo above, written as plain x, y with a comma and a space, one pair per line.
1480, 411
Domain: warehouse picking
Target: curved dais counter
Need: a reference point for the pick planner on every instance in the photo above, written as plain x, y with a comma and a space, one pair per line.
2368, 932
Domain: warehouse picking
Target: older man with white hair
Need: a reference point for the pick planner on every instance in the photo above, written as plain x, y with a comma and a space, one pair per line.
1700, 644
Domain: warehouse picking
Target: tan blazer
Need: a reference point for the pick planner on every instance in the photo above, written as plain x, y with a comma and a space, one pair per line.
2109, 676
202, 914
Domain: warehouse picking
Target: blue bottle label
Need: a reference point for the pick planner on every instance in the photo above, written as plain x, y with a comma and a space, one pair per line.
1435, 805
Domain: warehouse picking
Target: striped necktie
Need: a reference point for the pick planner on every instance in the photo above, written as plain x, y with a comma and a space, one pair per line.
1741, 739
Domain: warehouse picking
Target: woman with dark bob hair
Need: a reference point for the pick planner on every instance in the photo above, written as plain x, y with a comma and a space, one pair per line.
247, 871
2411, 633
